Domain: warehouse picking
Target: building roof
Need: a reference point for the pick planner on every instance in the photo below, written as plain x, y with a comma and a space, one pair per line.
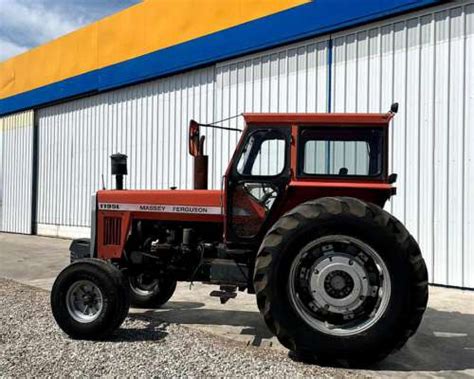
163, 37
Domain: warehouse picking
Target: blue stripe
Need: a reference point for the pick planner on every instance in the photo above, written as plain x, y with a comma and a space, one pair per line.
316, 18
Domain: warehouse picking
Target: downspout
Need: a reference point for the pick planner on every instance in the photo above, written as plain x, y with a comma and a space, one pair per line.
329, 101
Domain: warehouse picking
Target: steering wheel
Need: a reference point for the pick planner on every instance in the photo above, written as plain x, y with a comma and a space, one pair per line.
269, 193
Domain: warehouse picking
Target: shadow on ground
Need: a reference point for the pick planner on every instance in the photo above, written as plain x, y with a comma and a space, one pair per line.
444, 341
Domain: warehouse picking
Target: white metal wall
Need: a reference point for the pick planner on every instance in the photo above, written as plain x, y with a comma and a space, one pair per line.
423, 60
426, 63
289, 79
147, 122
16, 171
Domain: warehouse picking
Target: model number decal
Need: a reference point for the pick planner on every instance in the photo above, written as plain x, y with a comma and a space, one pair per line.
185, 209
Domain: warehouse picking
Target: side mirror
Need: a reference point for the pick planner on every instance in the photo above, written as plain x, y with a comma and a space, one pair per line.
394, 108
392, 178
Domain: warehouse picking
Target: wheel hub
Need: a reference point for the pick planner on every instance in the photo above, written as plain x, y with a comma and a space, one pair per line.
338, 283
84, 301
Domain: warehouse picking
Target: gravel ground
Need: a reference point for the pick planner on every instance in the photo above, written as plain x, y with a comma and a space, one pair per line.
32, 345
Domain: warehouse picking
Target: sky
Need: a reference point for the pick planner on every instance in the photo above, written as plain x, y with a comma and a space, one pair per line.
28, 23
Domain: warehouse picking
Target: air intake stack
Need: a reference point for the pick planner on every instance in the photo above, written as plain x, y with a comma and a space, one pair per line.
119, 169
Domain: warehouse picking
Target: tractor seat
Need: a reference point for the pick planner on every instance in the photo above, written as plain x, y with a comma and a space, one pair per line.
343, 171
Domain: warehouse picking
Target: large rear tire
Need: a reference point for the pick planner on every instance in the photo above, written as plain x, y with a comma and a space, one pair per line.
340, 279
90, 299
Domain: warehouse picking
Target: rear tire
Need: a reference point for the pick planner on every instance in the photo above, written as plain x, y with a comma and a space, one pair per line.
150, 293
369, 251
90, 299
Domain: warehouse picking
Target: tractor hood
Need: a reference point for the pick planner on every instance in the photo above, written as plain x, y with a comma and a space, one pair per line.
183, 205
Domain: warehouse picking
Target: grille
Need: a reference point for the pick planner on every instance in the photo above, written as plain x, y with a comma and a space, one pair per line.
112, 229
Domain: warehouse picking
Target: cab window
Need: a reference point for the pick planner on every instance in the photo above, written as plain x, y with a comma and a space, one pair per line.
263, 154
341, 152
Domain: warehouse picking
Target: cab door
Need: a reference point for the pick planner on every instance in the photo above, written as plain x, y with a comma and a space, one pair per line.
256, 182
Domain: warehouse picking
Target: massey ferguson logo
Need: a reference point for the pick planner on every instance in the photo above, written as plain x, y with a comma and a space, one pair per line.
160, 208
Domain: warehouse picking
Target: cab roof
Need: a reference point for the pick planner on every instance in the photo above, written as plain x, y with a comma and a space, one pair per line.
319, 119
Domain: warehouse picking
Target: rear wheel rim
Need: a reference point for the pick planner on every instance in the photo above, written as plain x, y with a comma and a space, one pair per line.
84, 301
339, 285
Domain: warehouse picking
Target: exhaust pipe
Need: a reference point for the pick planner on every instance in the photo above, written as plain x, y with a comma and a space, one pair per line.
201, 168
119, 169
201, 161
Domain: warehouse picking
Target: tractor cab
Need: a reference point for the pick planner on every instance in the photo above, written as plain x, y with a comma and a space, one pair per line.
283, 160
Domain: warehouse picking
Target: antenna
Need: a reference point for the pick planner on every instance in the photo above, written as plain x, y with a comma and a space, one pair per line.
103, 183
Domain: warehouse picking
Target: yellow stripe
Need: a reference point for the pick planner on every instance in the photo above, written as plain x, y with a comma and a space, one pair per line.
146, 27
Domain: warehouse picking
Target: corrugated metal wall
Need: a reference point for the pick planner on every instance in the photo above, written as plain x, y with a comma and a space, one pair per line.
289, 79
423, 60
147, 122
16, 161
426, 63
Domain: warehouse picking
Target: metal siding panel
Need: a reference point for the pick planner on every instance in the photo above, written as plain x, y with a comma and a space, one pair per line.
412, 138
288, 79
455, 148
17, 173
374, 71
426, 133
399, 124
468, 193
425, 62
322, 78
147, 122
441, 125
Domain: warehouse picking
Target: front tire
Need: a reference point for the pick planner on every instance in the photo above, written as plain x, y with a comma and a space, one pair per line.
148, 292
341, 279
90, 299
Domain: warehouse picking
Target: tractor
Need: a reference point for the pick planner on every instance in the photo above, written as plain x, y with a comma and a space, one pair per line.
299, 222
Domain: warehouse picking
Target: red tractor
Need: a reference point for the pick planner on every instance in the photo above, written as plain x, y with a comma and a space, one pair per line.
299, 222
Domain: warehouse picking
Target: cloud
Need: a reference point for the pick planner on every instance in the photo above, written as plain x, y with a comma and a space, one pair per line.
31, 23
28, 23
10, 49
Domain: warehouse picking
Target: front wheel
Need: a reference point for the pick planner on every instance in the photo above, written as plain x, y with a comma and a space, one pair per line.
150, 292
90, 299
338, 278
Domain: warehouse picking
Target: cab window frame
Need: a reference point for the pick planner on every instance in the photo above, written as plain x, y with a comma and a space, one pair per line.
284, 131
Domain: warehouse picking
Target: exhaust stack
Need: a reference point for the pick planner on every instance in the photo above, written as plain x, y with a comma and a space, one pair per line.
201, 161
119, 169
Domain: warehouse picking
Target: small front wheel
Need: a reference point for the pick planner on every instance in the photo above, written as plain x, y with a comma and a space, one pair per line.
90, 299
150, 292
